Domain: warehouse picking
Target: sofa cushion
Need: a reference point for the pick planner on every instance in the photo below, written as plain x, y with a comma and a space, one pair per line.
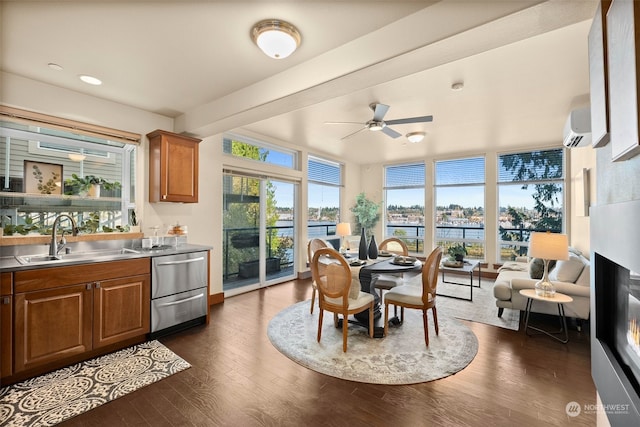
585, 276
536, 267
567, 271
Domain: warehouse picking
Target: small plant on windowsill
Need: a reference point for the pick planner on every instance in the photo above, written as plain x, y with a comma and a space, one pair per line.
457, 252
90, 184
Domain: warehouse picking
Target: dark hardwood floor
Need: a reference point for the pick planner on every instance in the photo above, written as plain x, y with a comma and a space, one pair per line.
239, 379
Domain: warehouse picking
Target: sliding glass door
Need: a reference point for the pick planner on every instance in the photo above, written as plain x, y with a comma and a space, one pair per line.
259, 232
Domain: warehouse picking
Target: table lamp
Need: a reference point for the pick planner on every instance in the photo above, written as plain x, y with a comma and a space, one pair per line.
548, 246
343, 229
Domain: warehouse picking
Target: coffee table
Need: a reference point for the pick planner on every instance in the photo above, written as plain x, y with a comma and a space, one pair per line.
468, 266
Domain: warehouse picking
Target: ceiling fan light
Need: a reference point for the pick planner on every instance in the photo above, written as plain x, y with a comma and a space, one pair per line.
415, 137
375, 125
277, 39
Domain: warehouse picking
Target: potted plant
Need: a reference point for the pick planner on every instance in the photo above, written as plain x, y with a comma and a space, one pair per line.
90, 185
366, 212
457, 252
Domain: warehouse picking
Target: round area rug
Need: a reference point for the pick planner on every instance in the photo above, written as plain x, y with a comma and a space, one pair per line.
399, 358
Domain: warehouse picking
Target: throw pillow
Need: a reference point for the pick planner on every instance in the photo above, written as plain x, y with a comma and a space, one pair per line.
536, 267
567, 271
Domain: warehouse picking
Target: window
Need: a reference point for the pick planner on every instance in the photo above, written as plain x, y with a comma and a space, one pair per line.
324, 185
459, 200
259, 151
530, 198
404, 204
69, 162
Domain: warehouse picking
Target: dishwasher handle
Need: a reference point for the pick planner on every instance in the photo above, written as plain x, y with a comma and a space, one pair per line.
185, 261
167, 304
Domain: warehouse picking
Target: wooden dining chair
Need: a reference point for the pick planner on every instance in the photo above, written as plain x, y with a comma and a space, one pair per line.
333, 279
386, 281
417, 297
312, 247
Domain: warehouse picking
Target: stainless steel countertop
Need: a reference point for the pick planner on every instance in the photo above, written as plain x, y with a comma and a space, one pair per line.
11, 263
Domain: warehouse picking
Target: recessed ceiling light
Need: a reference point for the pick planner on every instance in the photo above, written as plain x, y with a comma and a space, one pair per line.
54, 66
90, 80
457, 86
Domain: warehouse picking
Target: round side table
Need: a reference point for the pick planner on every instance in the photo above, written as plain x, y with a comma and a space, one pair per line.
558, 298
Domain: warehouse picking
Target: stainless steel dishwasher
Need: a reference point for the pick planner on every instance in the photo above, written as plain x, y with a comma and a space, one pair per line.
178, 291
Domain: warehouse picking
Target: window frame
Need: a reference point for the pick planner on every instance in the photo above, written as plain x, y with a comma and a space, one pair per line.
482, 242
522, 246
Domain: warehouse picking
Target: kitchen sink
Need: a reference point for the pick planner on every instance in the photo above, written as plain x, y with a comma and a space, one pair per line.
89, 255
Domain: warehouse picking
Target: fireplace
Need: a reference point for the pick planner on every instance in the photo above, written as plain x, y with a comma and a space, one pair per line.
615, 310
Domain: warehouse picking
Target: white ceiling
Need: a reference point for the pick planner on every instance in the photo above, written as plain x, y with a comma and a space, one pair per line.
523, 63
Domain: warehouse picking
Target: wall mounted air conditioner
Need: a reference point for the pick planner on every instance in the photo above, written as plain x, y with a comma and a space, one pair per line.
577, 129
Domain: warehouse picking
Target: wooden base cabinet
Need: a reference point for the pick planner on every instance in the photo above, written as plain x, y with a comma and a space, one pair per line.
52, 324
56, 318
121, 309
6, 325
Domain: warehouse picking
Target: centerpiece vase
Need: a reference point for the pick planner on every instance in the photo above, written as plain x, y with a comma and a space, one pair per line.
362, 249
373, 248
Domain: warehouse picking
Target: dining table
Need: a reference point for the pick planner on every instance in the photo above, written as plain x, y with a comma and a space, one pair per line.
367, 274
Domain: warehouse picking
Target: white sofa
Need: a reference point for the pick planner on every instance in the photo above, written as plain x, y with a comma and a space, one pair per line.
569, 277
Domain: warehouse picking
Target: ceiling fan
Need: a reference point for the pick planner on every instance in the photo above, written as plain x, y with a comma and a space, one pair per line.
377, 123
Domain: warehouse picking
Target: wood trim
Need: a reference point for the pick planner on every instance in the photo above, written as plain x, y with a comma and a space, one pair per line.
216, 299
18, 115
36, 240
55, 277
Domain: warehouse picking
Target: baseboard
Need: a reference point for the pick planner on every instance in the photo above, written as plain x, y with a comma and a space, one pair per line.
216, 299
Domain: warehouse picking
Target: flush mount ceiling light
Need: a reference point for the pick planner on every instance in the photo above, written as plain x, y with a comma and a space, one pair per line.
77, 157
415, 137
277, 39
90, 79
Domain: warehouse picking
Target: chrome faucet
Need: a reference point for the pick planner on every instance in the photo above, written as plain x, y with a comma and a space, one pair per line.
53, 246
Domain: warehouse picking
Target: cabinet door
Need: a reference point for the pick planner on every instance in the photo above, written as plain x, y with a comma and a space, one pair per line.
122, 309
173, 167
6, 324
51, 325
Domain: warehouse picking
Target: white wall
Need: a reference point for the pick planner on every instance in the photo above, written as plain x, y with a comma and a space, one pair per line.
579, 233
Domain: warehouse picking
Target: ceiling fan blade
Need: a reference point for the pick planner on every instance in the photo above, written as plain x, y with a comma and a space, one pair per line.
421, 119
390, 132
379, 110
353, 133
343, 123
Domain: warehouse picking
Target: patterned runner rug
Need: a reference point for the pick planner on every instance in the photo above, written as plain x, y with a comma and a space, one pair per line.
57, 396
399, 358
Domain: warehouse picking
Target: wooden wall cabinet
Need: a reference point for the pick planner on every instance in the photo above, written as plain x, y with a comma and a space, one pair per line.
173, 167
62, 312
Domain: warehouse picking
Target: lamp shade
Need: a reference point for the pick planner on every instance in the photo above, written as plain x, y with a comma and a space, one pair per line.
343, 229
549, 246
277, 39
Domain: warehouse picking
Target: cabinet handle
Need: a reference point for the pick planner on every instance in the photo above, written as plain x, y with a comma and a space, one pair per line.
185, 261
6, 300
88, 286
167, 304
97, 285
